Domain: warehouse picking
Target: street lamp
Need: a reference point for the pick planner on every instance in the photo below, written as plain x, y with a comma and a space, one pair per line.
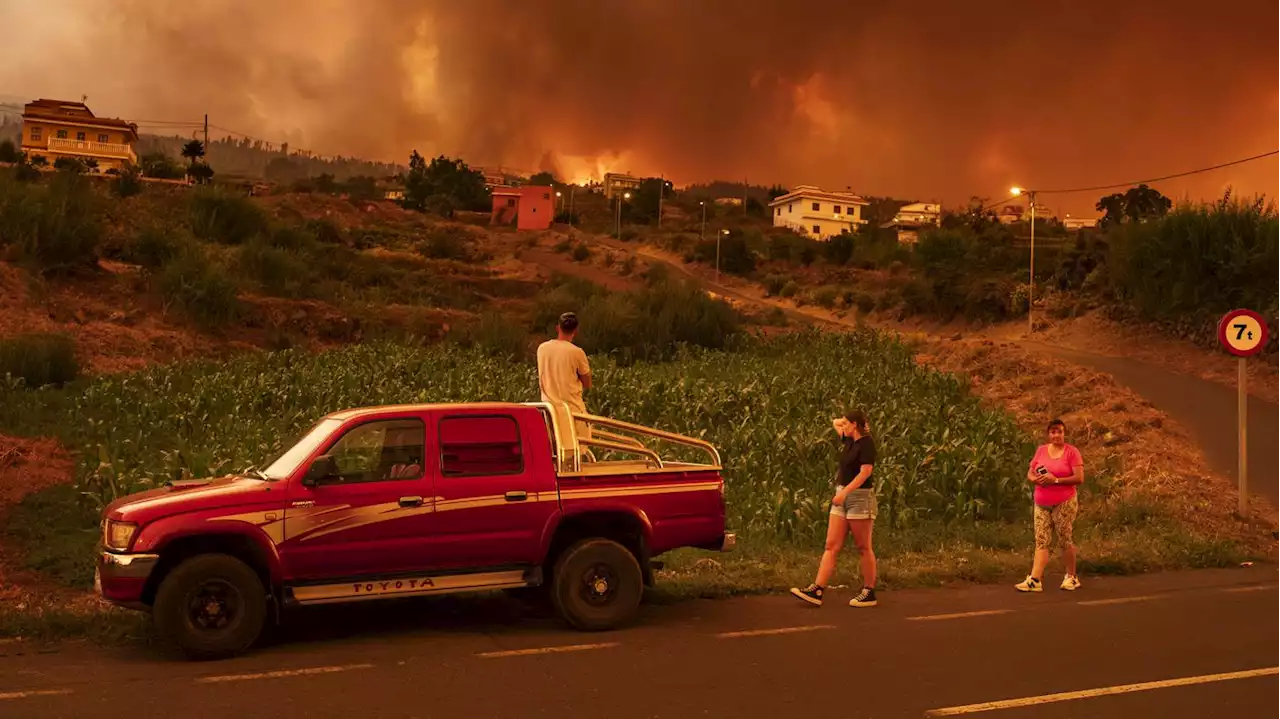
1031, 286
559, 202
702, 234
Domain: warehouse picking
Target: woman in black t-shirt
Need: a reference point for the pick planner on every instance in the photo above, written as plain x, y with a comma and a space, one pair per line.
853, 510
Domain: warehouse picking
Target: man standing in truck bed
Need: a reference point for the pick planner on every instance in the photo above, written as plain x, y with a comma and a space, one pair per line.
563, 371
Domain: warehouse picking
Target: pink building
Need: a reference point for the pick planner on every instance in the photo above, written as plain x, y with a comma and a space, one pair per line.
530, 207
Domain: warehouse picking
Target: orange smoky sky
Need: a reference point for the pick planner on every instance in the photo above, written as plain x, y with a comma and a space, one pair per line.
924, 100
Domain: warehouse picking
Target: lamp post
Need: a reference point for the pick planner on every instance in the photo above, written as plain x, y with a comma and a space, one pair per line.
559, 202
571, 189
1031, 286
702, 233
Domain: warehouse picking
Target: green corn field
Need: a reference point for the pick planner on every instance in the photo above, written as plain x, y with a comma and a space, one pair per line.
767, 407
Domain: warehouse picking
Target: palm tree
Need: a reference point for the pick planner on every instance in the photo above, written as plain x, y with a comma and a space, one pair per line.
193, 151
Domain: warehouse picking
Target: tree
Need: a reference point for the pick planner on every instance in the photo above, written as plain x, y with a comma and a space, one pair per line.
776, 191
642, 209
976, 217
544, 178
193, 151
445, 177
8, 152
1137, 204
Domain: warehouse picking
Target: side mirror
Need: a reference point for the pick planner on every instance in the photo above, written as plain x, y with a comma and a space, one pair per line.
322, 471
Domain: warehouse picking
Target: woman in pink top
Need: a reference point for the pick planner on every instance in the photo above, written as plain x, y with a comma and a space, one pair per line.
1056, 470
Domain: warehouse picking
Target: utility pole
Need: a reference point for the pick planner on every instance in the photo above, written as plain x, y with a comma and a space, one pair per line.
662, 189
1031, 287
206, 135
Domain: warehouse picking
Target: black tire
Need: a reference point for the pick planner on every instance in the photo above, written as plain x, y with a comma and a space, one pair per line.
231, 617
596, 585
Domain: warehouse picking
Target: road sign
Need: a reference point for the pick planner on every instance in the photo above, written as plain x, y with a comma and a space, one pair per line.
1242, 332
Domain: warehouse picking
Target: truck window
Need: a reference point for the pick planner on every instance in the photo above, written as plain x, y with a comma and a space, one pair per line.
480, 446
381, 451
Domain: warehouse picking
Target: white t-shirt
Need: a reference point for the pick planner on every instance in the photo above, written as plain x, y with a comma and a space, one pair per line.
559, 364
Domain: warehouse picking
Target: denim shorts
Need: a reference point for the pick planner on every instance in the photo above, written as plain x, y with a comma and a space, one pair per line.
860, 504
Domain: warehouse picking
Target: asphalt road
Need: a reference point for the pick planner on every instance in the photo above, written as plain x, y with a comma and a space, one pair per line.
1207, 639
1208, 410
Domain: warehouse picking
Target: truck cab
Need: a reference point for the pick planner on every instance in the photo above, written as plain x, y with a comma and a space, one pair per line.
409, 500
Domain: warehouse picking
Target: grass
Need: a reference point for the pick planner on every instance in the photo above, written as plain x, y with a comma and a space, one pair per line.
39, 359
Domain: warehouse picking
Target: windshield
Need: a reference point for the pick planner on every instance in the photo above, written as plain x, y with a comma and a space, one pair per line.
288, 462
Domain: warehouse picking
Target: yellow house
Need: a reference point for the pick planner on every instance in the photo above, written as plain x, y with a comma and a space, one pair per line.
53, 129
818, 213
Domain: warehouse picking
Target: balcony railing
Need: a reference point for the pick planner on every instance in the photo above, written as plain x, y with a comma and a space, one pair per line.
92, 149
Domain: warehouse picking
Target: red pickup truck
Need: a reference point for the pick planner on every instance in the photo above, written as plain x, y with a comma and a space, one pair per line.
395, 501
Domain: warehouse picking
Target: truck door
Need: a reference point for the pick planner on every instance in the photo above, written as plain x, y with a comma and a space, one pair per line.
372, 518
495, 487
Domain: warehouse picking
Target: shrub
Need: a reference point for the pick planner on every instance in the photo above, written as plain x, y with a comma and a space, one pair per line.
129, 182
628, 266
277, 271
199, 288
39, 359
562, 246
789, 289
9, 152
447, 242
825, 297
581, 252
57, 227
495, 335
221, 216
153, 247
773, 284
286, 237
324, 231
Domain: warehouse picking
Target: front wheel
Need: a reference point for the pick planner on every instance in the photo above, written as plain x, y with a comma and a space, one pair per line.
211, 606
597, 584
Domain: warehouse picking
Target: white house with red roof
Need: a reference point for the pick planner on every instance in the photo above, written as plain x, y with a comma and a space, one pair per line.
818, 213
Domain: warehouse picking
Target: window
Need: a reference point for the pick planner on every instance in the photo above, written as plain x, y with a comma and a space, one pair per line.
102, 137
380, 451
62, 134
817, 229
546, 195
835, 209
80, 136
480, 446
790, 206
817, 206
511, 202
778, 212
37, 134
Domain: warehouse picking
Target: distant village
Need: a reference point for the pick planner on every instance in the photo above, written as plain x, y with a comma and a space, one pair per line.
54, 132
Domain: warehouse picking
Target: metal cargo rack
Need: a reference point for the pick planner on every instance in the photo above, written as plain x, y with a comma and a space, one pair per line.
604, 433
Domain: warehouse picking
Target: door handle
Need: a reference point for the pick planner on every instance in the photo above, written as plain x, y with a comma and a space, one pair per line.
411, 501
518, 496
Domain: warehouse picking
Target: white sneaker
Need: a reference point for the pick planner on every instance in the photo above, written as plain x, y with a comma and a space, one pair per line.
1030, 584
1071, 582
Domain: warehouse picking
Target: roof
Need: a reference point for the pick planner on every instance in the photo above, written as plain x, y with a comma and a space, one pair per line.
814, 192
357, 412
76, 112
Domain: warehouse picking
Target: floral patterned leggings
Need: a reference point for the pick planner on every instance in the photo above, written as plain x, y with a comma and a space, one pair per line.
1057, 519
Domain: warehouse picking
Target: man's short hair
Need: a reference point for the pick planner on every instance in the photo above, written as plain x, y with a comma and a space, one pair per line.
568, 322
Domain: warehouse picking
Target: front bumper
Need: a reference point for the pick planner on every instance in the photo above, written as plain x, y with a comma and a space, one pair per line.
121, 578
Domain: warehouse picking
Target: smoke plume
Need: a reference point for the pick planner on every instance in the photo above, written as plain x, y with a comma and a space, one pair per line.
924, 100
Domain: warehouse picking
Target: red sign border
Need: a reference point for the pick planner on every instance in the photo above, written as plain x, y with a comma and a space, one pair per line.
1226, 321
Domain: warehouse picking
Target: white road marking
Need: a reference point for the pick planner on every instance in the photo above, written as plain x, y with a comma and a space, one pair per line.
1102, 691
959, 615
1255, 588
1118, 600
34, 693
547, 650
780, 630
282, 673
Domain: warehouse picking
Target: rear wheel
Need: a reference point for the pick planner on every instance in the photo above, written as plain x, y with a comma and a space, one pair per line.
211, 606
597, 584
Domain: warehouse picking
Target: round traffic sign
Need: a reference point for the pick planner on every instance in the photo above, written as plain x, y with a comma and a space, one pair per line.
1242, 332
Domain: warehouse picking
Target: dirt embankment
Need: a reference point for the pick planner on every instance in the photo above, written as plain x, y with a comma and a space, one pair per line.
27, 466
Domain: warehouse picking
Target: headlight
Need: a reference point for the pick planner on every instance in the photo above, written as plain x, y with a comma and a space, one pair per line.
118, 535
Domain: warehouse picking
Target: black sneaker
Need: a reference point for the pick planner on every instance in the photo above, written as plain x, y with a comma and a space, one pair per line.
865, 598
811, 594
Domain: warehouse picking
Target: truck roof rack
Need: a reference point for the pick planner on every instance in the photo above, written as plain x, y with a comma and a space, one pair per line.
563, 425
